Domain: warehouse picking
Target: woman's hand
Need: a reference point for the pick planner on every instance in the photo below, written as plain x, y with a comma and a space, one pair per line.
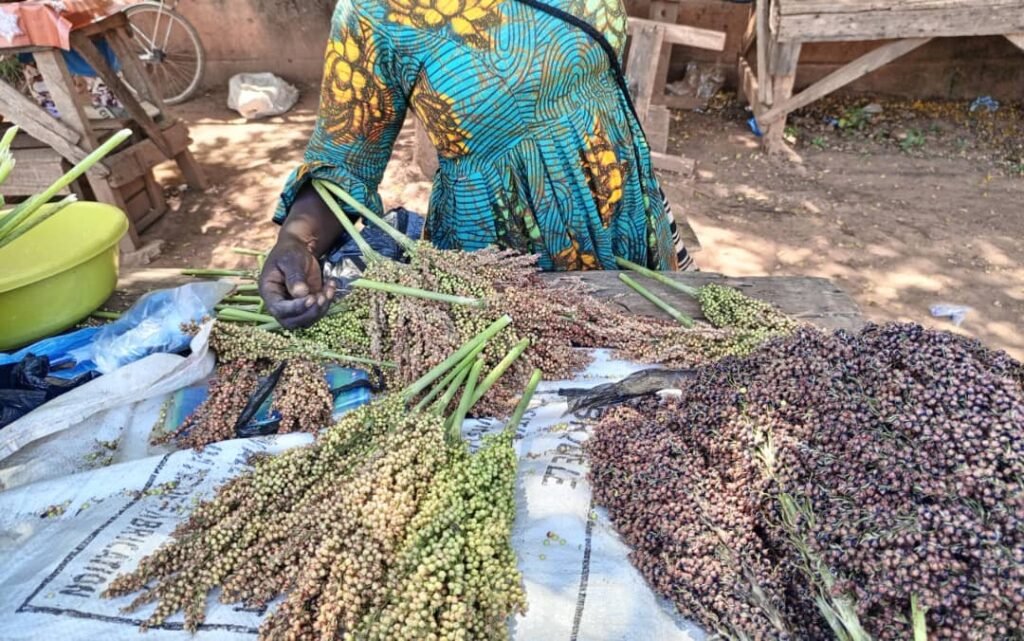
291, 283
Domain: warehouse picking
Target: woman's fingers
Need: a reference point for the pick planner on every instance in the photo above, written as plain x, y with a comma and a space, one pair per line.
292, 288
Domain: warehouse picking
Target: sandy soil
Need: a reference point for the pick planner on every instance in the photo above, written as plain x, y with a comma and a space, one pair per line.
905, 208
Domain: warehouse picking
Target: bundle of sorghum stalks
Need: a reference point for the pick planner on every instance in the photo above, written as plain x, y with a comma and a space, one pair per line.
387, 527
413, 314
739, 324
247, 359
866, 486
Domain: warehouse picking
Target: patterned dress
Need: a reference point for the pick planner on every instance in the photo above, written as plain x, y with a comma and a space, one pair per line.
538, 149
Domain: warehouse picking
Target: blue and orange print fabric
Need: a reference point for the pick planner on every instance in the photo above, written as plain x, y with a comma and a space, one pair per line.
538, 150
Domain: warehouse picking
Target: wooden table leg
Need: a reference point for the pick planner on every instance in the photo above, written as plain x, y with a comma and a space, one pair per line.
135, 71
783, 71
666, 11
39, 124
642, 65
193, 173
60, 84
91, 54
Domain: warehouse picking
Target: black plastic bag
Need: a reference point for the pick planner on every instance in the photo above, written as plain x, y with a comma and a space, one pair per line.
26, 385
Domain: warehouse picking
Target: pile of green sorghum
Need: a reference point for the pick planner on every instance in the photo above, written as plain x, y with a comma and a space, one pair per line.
843, 481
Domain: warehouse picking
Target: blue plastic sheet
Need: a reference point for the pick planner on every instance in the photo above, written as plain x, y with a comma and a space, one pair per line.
63, 352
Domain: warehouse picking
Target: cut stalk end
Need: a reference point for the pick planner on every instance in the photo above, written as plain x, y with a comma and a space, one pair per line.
677, 315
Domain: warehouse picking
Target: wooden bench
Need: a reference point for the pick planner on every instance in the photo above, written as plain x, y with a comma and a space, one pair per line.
46, 146
779, 28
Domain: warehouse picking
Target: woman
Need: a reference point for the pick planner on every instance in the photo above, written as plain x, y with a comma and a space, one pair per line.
539, 148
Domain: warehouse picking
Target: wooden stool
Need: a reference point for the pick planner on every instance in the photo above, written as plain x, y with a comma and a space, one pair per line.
47, 145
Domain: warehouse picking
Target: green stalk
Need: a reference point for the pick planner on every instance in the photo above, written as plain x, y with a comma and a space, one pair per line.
499, 369
103, 314
658, 276
403, 241
229, 306
466, 402
8, 139
336, 356
245, 251
680, 317
440, 387
43, 215
241, 298
246, 288
437, 372
216, 273
917, 617
270, 326
30, 206
524, 401
233, 313
402, 290
260, 261
461, 372
369, 253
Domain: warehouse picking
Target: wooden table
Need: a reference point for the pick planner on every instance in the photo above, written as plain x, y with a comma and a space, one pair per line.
815, 300
124, 179
779, 28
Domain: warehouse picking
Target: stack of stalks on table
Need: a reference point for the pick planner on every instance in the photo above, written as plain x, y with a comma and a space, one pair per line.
845, 486
387, 527
411, 315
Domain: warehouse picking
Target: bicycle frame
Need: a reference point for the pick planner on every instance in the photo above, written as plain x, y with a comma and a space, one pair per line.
155, 47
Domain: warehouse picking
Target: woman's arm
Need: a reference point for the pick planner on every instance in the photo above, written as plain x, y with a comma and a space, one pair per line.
362, 108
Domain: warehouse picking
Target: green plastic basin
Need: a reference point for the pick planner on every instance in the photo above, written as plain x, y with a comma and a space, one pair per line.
59, 272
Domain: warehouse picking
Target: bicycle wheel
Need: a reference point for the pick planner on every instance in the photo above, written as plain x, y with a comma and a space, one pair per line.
170, 49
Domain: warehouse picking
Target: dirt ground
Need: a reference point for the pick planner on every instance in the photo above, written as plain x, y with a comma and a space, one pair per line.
904, 205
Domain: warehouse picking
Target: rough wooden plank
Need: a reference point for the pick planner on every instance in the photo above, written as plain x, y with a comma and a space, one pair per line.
793, 7
774, 130
785, 58
34, 121
665, 12
642, 66
749, 87
676, 164
91, 54
424, 154
36, 170
889, 25
59, 83
1017, 39
678, 34
749, 34
814, 300
656, 127
137, 160
133, 69
689, 103
190, 169
843, 76
761, 39
688, 235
